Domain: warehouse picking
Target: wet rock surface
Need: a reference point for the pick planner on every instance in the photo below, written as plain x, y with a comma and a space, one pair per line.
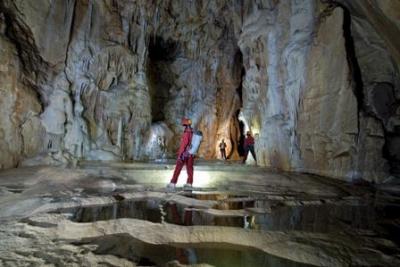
121, 215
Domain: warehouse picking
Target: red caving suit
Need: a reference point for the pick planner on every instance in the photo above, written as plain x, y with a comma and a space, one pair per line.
184, 158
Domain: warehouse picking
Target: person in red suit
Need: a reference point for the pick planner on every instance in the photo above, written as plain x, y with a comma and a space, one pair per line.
249, 146
184, 158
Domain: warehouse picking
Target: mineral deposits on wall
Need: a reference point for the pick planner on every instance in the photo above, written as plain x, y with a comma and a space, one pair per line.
317, 81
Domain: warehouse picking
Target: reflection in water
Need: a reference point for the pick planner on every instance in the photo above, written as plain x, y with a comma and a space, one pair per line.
144, 210
316, 218
310, 218
276, 216
184, 256
214, 254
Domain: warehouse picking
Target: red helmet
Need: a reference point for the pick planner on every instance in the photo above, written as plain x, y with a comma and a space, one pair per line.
186, 122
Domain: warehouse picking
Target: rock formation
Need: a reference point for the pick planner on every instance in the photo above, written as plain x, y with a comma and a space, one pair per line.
317, 81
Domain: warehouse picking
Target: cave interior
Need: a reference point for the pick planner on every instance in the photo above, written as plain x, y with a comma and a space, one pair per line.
92, 97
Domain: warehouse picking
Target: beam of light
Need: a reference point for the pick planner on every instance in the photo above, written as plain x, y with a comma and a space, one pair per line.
200, 178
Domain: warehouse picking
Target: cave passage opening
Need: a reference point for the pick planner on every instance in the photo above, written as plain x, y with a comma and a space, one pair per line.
241, 71
161, 54
241, 135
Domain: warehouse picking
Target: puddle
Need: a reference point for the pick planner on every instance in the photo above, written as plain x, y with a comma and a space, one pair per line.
316, 218
220, 255
224, 201
153, 211
233, 211
311, 218
15, 189
181, 215
148, 210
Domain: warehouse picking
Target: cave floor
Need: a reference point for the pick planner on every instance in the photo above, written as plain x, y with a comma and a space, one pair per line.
119, 214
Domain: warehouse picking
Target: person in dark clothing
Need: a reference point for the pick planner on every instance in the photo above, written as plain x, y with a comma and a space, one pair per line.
249, 146
222, 147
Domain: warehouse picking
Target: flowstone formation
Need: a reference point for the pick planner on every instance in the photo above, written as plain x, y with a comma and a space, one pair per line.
316, 81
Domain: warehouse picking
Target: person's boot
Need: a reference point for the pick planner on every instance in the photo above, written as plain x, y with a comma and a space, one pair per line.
171, 187
187, 187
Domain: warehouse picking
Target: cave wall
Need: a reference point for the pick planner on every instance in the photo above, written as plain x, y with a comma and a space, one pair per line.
89, 63
317, 72
376, 34
317, 81
20, 128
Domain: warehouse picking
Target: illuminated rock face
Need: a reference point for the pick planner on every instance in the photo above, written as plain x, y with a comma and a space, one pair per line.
110, 80
20, 127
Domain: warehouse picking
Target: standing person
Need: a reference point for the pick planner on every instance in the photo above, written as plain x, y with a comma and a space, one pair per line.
222, 147
249, 146
184, 157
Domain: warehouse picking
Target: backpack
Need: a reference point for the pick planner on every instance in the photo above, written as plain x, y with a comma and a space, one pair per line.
195, 144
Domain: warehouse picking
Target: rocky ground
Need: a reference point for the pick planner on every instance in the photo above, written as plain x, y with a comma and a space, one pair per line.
119, 214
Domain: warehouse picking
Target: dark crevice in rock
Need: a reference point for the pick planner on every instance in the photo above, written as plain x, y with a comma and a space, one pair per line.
162, 50
355, 70
241, 135
384, 103
383, 107
391, 151
358, 88
239, 91
161, 53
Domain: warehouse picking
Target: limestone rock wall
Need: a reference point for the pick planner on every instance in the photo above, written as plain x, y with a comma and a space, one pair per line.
316, 81
108, 73
20, 128
336, 137
317, 72
328, 115
376, 33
